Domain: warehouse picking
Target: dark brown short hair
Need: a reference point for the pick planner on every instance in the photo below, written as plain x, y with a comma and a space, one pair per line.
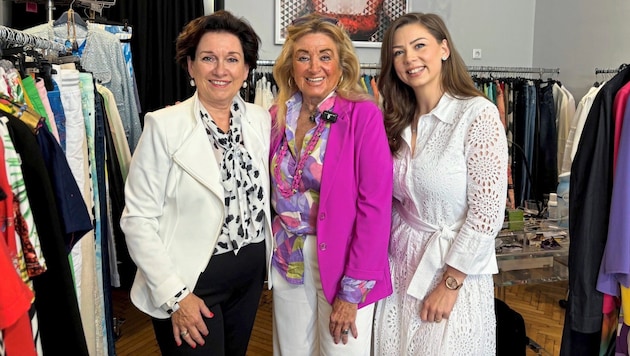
220, 21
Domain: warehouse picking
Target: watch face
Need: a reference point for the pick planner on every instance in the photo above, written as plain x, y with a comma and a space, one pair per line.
451, 283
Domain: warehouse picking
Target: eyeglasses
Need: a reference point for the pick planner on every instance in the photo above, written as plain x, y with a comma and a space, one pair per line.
304, 19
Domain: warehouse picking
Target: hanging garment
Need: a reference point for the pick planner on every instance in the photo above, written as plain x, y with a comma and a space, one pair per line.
15, 296
101, 54
565, 109
124, 34
577, 126
56, 301
590, 196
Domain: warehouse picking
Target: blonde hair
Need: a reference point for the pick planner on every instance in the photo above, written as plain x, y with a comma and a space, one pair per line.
348, 87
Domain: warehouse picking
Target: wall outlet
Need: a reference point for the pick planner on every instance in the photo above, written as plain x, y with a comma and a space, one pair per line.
476, 53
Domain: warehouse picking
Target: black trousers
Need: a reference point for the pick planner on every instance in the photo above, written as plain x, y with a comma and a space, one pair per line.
230, 286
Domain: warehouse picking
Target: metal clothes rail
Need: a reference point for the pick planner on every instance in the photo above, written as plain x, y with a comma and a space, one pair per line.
19, 38
492, 69
471, 69
611, 70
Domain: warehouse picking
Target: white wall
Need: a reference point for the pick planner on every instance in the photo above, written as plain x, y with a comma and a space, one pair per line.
576, 36
505, 40
579, 36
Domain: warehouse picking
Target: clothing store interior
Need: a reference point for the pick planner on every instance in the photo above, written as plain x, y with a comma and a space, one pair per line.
556, 71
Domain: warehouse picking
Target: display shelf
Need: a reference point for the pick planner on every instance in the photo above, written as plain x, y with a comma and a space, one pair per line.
526, 257
536, 254
554, 273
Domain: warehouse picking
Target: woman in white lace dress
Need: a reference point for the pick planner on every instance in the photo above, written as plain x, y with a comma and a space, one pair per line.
450, 185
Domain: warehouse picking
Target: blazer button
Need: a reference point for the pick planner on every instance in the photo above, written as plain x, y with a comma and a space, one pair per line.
322, 216
322, 246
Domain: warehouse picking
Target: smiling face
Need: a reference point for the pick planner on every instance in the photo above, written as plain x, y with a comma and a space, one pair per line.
219, 68
418, 57
316, 67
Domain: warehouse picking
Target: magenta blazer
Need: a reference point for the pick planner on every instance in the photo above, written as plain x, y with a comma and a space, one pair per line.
355, 207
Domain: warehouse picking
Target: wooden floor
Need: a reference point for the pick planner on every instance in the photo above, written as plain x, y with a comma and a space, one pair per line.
537, 303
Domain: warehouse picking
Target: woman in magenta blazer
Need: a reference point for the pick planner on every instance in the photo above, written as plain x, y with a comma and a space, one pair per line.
331, 184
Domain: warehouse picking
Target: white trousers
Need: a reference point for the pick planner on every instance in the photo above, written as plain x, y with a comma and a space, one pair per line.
301, 315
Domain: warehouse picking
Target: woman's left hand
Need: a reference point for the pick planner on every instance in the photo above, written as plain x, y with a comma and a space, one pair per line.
438, 304
342, 320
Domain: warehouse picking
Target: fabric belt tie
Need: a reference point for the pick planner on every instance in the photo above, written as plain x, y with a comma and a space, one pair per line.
435, 253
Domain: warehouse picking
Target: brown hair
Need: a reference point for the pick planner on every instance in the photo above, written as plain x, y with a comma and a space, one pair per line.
399, 100
348, 88
220, 21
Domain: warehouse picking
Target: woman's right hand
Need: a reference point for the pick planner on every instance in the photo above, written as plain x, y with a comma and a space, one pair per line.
188, 323
342, 321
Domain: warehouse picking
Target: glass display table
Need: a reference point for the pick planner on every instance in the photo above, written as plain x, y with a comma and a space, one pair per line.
536, 254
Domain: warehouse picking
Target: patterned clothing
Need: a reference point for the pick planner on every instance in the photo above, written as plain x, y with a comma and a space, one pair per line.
30, 258
244, 214
296, 215
102, 55
295, 218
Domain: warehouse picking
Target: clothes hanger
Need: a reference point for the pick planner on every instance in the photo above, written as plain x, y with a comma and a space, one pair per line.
71, 19
63, 19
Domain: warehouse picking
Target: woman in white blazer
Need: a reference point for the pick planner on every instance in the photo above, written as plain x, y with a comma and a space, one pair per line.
197, 219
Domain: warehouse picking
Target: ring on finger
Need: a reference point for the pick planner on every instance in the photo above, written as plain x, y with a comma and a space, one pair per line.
184, 333
345, 332
438, 320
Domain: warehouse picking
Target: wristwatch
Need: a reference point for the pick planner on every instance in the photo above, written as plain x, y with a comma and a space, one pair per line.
451, 283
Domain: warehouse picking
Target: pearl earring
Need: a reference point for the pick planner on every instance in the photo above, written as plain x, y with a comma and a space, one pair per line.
444, 58
192, 82
244, 85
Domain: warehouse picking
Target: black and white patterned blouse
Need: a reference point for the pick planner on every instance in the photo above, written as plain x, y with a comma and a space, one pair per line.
242, 183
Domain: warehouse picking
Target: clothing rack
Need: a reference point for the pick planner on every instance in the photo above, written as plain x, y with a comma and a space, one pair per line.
265, 62
610, 70
492, 69
19, 38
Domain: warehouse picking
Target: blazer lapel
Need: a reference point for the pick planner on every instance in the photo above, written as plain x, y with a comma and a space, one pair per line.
195, 156
336, 143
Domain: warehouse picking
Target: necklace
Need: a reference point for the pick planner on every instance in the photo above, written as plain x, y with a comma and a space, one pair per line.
312, 116
288, 190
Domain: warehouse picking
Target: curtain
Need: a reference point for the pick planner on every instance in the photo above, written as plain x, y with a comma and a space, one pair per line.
156, 24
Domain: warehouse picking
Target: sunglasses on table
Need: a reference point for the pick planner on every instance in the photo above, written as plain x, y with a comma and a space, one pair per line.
304, 19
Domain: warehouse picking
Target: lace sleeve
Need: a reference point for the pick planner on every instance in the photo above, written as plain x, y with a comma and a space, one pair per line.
486, 162
487, 166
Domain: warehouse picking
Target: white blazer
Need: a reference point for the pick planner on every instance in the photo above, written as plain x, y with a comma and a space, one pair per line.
174, 206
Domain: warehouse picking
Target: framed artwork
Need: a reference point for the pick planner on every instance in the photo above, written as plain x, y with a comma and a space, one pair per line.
365, 20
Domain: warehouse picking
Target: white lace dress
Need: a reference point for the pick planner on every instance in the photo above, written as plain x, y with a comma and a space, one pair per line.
449, 203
